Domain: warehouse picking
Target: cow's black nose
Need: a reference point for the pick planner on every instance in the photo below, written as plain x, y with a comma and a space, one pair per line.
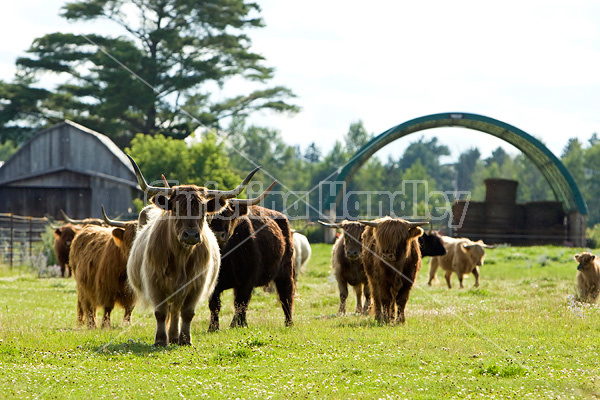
190, 236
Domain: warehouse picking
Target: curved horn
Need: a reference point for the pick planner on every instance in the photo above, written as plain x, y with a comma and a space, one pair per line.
329, 225
150, 190
372, 224
68, 219
110, 222
256, 200
229, 194
165, 182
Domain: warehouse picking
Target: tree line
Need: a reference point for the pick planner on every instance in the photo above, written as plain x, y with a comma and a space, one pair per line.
225, 158
174, 66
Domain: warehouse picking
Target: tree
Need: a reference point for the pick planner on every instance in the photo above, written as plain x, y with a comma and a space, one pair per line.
356, 137
429, 153
203, 161
499, 156
465, 167
592, 183
573, 157
312, 153
7, 149
158, 75
21, 109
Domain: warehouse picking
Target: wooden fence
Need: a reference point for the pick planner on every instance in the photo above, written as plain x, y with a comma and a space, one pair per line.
17, 236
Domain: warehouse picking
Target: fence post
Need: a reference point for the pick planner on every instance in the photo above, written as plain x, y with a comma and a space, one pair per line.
30, 236
11, 245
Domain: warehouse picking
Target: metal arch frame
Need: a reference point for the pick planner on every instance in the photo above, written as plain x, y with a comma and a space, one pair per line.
557, 175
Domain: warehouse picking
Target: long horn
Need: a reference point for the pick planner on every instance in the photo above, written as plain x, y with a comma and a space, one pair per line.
372, 224
68, 219
229, 194
327, 224
150, 190
256, 200
110, 222
165, 182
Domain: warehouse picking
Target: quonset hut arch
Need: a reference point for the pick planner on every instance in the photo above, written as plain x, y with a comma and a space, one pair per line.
557, 175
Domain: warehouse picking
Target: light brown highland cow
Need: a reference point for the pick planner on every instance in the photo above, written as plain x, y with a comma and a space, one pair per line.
588, 276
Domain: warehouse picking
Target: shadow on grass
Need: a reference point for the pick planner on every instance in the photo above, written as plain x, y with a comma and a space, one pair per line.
134, 347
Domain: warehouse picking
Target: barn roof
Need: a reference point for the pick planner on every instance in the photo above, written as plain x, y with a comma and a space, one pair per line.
558, 176
58, 148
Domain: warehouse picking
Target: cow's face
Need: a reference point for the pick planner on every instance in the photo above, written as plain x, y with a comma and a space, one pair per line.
393, 238
65, 234
586, 261
475, 251
432, 244
352, 239
187, 206
223, 223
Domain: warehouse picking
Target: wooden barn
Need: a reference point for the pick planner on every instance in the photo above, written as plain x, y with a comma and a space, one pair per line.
69, 167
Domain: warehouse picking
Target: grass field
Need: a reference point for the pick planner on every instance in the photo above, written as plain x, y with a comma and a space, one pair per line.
520, 335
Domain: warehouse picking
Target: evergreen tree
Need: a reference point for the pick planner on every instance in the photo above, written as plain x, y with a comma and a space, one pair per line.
465, 167
312, 153
356, 137
573, 157
499, 156
157, 77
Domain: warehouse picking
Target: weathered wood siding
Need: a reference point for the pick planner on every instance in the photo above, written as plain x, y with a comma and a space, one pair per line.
67, 167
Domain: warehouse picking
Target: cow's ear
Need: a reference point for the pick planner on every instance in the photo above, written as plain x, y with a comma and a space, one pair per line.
57, 233
117, 234
215, 205
415, 232
161, 201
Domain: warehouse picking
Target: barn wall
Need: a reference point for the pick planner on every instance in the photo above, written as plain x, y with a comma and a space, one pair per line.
116, 197
60, 179
66, 146
67, 167
39, 201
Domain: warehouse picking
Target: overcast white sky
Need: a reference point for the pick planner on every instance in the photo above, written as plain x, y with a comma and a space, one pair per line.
532, 64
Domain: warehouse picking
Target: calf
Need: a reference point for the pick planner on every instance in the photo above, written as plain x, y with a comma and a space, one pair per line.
392, 258
588, 276
256, 248
463, 257
348, 266
63, 237
99, 258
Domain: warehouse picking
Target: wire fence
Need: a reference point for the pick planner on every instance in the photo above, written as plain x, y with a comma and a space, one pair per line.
17, 237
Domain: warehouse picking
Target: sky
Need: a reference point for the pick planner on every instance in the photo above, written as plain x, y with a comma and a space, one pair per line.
532, 64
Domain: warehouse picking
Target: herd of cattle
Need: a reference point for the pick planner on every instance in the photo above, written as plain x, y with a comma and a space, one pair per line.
192, 243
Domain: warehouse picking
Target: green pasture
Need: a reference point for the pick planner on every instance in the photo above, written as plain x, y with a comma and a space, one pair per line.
520, 335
